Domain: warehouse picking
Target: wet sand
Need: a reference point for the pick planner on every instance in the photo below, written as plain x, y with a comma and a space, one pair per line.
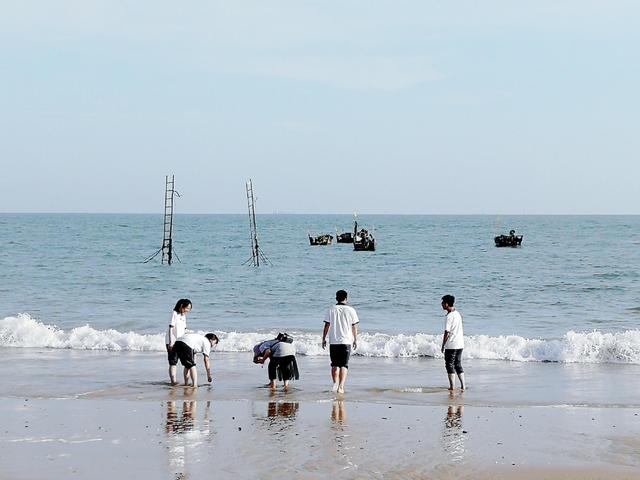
186, 438
111, 416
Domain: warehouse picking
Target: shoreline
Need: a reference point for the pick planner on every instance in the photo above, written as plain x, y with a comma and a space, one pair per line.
49, 373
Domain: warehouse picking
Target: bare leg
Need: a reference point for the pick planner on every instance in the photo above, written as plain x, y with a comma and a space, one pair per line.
343, 378
461, 378
172, 374
272, 384
186, 376
452, 380
286, 385
193, 371
334, 377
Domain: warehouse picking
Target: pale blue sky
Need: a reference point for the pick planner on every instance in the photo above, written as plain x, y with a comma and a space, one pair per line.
331, 107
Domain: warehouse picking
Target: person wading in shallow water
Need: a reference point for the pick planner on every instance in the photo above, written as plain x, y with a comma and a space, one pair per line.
186, 348
341, 323
176, 329
282, 355
453, 342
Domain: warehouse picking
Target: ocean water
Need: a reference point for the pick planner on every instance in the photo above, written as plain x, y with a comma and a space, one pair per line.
569, 294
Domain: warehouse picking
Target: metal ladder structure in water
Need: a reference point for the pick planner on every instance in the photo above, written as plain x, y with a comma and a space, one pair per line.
256, 252
167, 237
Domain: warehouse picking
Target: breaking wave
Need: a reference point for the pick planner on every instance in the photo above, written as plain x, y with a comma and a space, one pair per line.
573, 347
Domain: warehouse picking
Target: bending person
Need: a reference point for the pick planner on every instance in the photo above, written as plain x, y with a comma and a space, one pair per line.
187, 347
282, 363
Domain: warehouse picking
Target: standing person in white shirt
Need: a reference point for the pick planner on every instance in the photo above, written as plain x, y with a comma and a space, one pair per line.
341, 323
453, 342
176, 329
186, 348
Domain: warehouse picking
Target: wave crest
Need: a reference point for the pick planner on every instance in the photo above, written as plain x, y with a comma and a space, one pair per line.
24, 331
574, 347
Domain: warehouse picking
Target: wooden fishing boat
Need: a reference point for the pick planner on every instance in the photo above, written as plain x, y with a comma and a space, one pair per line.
321, 240
346, 237
363, 241
511, 240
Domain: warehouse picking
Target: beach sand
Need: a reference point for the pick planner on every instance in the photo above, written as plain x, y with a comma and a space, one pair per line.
114, 416
186, 438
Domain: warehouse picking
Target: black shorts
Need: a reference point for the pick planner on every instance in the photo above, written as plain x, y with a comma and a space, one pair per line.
340, 355
453, 360
185, 354
172, 356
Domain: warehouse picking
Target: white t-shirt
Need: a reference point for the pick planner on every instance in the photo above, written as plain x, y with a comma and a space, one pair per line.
198, 343
340, 319
453, 325
178, 321
278, 349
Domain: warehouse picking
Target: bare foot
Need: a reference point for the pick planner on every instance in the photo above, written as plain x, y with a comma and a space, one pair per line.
334, 388
340, 390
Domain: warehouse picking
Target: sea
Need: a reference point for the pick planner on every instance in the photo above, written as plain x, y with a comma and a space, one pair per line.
551, 357
569, 294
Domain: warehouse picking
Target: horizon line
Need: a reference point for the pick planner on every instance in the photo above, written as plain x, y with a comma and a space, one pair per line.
330, 213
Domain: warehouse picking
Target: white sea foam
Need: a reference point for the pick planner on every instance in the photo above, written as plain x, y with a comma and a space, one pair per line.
24, 331
574, 347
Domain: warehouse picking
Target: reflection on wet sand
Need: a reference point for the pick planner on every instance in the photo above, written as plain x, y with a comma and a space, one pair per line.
338, 412
180, 423
280, 416
183, 434
343, 442
453, 434
282, 409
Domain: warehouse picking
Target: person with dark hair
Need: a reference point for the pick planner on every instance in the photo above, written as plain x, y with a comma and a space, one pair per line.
341, 324
453, 342
176, 329
282, 363
187, 346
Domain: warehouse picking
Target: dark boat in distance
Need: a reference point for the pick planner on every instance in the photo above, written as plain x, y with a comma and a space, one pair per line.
321, 240
363, 241
511, 240
346, 237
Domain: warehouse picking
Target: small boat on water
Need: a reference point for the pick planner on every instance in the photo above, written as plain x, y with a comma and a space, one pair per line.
321, 240
363, 241
346, 237
511, 240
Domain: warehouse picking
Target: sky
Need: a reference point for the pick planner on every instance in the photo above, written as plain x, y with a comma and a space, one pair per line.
391, 107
